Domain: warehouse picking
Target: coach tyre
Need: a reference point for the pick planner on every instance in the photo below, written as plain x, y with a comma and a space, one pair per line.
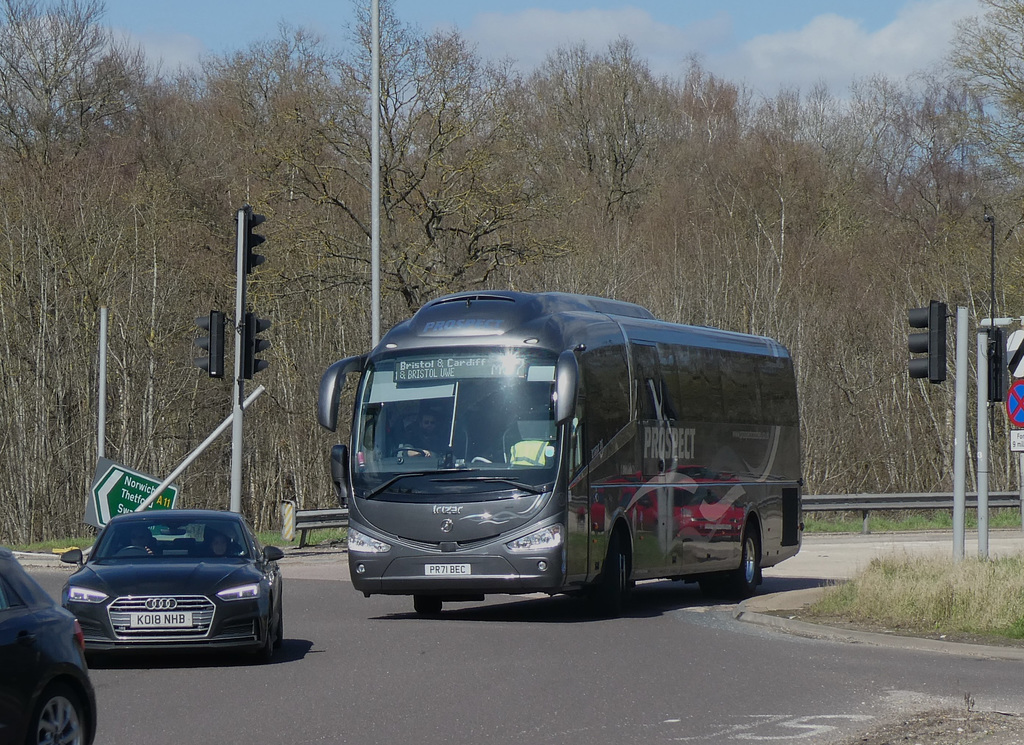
426, 605
59, 717
613, 583
747, 576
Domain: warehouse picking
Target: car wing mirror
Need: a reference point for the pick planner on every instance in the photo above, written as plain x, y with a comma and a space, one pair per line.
272, 553
73, 556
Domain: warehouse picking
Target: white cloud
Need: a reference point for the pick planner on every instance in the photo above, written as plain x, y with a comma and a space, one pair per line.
838, 50
165, 52
830, 48
528, 37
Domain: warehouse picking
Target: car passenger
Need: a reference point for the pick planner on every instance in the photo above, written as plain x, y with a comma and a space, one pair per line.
218, 544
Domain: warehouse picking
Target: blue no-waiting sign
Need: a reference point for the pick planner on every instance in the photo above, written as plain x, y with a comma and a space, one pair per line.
1015, 403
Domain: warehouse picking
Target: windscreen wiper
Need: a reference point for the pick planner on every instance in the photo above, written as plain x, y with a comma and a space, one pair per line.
395, 479
528, 488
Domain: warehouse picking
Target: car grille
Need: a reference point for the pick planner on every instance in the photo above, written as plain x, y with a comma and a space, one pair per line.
200, 606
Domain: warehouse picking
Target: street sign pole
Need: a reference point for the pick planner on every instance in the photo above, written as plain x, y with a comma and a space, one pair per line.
983, 424
101, 435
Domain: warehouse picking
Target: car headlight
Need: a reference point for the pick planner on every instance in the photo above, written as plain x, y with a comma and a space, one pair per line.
538, 540
242, 592
85, 595
361, 543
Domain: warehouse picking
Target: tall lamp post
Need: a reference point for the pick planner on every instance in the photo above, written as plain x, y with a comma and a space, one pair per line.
375, 168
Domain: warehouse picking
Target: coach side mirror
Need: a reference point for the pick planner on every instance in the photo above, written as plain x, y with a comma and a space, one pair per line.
331, 383
567, 374
72, 556
339, 473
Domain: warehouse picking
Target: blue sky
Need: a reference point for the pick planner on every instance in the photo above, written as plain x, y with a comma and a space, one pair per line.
766, 44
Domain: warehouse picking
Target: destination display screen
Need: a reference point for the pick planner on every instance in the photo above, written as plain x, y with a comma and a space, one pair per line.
439, 368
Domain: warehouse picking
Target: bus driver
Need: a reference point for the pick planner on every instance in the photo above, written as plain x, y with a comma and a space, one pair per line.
426, 437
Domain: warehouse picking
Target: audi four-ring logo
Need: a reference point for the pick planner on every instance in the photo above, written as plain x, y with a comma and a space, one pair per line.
161, 603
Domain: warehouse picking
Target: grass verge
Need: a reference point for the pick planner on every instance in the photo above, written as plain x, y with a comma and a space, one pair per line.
932, 596
883, 521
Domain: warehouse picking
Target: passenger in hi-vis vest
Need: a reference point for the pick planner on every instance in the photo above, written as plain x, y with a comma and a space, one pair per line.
529, 453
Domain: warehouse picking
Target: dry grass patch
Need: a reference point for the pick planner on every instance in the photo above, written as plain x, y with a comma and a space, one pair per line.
934, 595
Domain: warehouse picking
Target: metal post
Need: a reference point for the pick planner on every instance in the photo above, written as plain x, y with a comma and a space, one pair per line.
237, 408
1020, 487
195, 454
101, 435
982, 442
991, 220
375, 168
960, 435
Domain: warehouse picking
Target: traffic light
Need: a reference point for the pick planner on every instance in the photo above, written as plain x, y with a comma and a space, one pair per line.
252, 345
998, 374
932, 342
213, 343
251, 239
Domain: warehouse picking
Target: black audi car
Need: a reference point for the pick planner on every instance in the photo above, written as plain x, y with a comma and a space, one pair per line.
45, 691
177, 579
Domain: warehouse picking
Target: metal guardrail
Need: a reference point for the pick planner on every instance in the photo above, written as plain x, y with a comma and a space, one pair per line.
327, 519
866, 503
307, 520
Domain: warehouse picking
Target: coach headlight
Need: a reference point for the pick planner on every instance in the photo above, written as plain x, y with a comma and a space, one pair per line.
360, 543
538, 540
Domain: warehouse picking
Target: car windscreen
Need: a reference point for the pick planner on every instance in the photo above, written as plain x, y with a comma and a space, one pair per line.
166, 536
485, 414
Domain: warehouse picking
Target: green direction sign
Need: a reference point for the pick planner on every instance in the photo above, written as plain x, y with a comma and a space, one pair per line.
117, 489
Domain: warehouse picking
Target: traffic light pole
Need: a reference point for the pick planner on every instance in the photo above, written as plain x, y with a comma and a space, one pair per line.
983, 444
239, 398
960, 435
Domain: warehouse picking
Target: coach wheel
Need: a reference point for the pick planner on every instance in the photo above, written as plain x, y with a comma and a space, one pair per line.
747, 576
426, 605
613, 585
